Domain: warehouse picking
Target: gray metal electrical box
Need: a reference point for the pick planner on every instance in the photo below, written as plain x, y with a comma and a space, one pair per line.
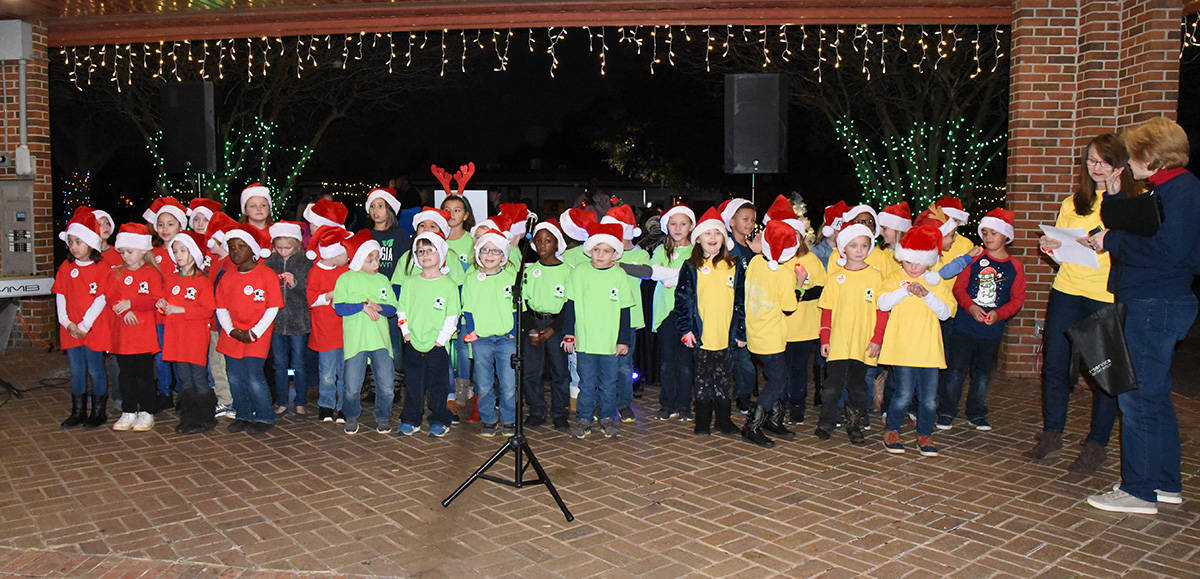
16, 225
16, 40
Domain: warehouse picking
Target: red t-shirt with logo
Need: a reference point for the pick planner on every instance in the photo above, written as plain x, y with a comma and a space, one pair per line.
326, 331
142, 287
81, 285
247, 296
185, 335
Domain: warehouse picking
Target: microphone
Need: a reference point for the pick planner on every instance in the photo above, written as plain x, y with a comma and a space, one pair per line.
530, 221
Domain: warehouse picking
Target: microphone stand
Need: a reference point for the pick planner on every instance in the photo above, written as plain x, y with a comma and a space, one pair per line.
517, 443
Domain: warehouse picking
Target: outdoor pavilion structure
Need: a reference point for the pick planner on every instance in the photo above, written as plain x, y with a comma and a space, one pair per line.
1078, 68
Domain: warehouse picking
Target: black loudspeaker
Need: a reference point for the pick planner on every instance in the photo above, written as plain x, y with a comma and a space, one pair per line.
755, 123
189, 134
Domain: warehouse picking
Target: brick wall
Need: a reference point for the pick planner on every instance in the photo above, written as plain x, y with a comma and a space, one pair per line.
1079, 68
37, 313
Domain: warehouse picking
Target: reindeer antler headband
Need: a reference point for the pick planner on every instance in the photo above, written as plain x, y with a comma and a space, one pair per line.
461, 177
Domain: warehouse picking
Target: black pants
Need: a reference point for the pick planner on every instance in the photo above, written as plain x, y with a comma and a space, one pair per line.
839, 374
426, 380
550, 353
137, 385
713, 374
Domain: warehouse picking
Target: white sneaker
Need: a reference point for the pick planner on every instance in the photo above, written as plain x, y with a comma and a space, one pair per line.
144, 422
125, 422
1169, 497
225, 411
1119, 501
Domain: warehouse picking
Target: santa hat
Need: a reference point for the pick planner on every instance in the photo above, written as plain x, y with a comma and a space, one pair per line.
150, 215
849, 232
439, 244
191, 240
574, 223
782, 210
439, 217
217, 226
920, 245
934, 216
897, 217
623, 215
833, 218
387, 194
551, 225
493, 236
202, 206
359, 246
999, 220
609, 234
327, 243
134, 236
857, 210
260, 245
83, 225
255, 190
171, 206
102, 214
780, 243
676, 209
711, 220
286, 229
953, 208
514, 217
326, 213
729, 207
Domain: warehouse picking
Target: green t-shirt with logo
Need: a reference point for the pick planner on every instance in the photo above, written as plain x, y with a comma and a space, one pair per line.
575, 257
488, 298
599, 296
545, 287
636, 256
664, 297
464, 252
426, 304
359, 332
402, 273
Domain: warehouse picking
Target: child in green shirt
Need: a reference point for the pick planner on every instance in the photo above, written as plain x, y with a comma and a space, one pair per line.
489, 322
544, 289
428, 317
623, 215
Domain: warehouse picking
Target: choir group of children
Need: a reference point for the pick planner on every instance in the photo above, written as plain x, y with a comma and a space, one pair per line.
197, 302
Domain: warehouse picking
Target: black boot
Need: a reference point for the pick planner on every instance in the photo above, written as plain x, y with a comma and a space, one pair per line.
753, 430
853, 420
195, 412
774, 424
722, 414
186, 408
704, 411
78, 411
99, 415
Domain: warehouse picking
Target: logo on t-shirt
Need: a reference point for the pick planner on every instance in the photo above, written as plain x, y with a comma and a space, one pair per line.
74, 273
841, 278
248, 290
190, 294
128, 280
706, 270
613, 294
439, 303
383, 293
175, 291
560, 291
207, 262
462, 258
158, 259
508, 291
93, 288
144, 287
260, 295
729, 282
537, 272
869, 295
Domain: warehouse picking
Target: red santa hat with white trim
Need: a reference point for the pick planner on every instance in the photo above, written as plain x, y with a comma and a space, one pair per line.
102, 214
999, 220
359, 246
551, 226
609, 234
286, 229
217, 226
921, 245
857, 210
150, 215
255, 190
833, 218
439, 245
134, 236
326, 213
711, 221
387, 194
897, 217
623, 215
780, 242
439, 217
849, 232
193, 242
729, 207
171, 206
676, 209
83, 225
494, 236
204, 207
514, 217
574, 223
782, 210
260, 244
936, 217
953, 207
327, 243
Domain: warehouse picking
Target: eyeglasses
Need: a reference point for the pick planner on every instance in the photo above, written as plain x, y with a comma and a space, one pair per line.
489, 251
1098, 162
424, 252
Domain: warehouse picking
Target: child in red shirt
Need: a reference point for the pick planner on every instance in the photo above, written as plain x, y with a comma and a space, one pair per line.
78, 287
187, 307
215, 264
326, 336
170, 216
132, 289
248, 298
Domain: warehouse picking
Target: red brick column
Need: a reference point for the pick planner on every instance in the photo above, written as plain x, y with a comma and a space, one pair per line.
37, 315
1079, 68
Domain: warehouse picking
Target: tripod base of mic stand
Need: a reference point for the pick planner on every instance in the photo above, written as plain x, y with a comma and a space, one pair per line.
519, 445
16, 393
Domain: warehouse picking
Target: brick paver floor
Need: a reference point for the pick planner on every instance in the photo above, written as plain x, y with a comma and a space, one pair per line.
656, 501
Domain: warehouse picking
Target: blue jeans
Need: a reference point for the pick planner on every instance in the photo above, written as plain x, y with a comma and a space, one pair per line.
462, 358
1059, 377
494, 377
329, 367
191, 376
744, 375
922, 381
625, 374
1150, 452
289, 352
675, 369
425, 376
385, 384
776, 370
599, 381
248, 385
796, 356
537, 357
968, 354
162, 370
85, 362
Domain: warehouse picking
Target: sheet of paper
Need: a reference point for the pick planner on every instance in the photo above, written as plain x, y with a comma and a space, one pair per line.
1071, 251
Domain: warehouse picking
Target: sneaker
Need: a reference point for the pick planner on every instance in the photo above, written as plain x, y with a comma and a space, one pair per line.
325, 414
508, 430
795, 415
143, 422
341, 418
383, 427
822, 433
944, 423
684, 415
743, 404
891, 441
561, 424
610, 428
437, 430
535, 420
663, 415
981, 424
1119, 501
581, 429
454, 419
626, 414
864, 421
225, 411
259, 427
237, 426
1167, 497
351, 427
125, 422
406, 429
489, 429
925, 444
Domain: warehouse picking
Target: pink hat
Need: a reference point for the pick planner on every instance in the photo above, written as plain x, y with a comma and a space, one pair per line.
607, 233
255, 190
387, 194
921, 245
133, 236
623, 215
849, 232
780, 242
83, 224
833, 218
711, 220
999, 220
574, 223
729, 207
260, 245
359, 246
327, 243
439, 217
326, 213
191, 240
551, 225
896, 217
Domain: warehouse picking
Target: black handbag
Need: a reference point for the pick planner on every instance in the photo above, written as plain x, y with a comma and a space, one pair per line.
1139, 215
1099, 342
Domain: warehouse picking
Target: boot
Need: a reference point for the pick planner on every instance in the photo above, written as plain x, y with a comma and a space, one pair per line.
753, 430
852, 427
1048, 442
186, 408
704, 412
99, 415
774, 424
1090, 459
195, 414
725, 424
78, 411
